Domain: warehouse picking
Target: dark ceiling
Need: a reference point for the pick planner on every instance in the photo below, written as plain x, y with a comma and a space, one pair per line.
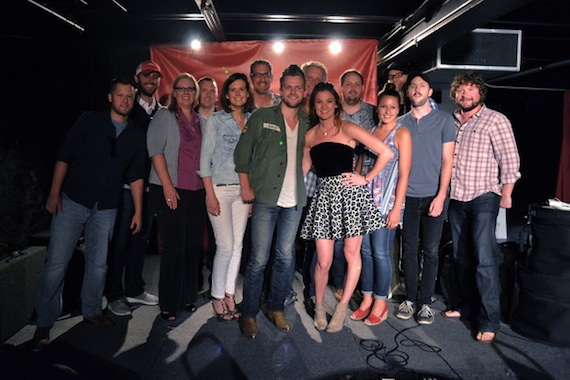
425, 25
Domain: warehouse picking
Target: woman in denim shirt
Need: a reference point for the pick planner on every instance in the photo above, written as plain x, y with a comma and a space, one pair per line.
227, 211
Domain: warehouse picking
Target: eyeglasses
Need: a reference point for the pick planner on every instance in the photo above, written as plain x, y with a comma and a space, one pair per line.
392, 76
185, 89
260, 75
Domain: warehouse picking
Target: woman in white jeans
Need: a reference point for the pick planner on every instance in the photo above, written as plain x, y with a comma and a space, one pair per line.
227, 211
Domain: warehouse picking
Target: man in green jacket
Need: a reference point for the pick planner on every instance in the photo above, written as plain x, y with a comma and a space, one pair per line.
268, 161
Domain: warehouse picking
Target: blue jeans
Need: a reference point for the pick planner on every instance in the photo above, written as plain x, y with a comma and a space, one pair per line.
127, 251
267, 220
66, 227
477, 256
419, 225
376, 251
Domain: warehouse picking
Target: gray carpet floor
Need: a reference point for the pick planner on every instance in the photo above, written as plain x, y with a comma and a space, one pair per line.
197, 346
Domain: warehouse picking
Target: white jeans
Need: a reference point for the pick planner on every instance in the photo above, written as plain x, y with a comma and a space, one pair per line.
229, 228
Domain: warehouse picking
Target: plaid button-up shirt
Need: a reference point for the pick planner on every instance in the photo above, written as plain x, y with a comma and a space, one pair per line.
486, 155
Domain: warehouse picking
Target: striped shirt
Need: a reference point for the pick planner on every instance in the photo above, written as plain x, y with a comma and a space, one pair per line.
486, 155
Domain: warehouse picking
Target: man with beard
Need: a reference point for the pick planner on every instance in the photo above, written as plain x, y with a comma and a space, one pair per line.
268, 160
485, 168
99, 151
397, 74
128, 249
261, 78
433, 137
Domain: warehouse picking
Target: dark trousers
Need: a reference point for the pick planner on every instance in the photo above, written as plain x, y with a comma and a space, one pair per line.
182, 232
420, 227
477, 256
127, 251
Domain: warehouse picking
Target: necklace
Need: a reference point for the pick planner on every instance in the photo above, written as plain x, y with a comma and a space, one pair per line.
325, 133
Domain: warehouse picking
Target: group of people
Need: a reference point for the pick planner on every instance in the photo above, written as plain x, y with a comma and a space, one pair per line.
337, 172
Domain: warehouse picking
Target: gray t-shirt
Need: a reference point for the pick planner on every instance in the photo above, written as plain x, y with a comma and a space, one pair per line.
428, 136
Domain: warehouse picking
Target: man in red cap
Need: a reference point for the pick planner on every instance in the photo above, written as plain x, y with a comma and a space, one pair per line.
127, 250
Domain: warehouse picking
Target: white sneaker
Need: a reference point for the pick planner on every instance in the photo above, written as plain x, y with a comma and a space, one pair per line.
119, 308
144, 298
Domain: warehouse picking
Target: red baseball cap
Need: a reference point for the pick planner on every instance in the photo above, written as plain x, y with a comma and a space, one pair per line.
147, 67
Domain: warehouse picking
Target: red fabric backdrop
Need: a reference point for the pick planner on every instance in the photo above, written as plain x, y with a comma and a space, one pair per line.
221, 59
563, 186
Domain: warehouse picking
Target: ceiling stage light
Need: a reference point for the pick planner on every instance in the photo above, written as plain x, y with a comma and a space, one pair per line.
278, 47
195, 44
335, 47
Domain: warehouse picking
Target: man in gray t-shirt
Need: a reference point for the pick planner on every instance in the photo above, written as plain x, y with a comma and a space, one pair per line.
433, 140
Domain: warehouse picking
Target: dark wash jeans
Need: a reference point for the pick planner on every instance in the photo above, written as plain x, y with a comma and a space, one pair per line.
268, 221
477, 256
420, 227
127, 251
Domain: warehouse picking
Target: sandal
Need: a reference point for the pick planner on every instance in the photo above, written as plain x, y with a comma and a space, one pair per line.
168, 316
224, 315
231, 306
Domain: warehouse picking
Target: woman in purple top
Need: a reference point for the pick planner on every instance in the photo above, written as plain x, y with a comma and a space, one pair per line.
177, 195
388, 191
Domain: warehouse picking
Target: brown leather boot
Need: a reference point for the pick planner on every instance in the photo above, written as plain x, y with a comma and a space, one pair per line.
337, 322
249, 327
279, 320
320, 316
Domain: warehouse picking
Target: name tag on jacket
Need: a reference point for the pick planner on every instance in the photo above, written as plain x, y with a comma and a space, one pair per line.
273, 127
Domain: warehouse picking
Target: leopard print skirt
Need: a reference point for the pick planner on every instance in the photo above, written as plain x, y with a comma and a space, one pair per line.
338, 211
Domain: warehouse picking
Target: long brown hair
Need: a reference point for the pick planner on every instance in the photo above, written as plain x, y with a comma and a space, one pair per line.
320, 87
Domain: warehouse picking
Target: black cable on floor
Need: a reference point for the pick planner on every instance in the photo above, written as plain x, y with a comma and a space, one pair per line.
396, 358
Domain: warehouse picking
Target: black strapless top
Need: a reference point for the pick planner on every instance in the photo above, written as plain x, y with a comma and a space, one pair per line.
330, 158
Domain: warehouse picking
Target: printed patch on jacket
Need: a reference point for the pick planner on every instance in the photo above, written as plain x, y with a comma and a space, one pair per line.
273, 127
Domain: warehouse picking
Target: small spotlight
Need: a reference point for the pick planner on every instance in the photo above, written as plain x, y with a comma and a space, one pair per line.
335, 47
195, 44
278, 47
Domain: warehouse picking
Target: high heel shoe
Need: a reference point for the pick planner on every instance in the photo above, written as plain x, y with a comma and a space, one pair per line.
320, 321
337, 322
230, 302
224, 315
360, 314
373, 320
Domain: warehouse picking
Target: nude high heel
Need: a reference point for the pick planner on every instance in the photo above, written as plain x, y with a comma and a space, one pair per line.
337, 322
320, 317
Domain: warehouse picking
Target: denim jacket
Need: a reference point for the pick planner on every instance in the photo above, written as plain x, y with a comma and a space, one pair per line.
219, 139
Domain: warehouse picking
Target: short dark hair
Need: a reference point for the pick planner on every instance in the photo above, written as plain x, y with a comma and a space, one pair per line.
260, 62
224, 101
121, 80
207, 79
348, 72
469, 77
292, 71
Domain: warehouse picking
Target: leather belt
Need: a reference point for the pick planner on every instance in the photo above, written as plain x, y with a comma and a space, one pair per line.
227, 184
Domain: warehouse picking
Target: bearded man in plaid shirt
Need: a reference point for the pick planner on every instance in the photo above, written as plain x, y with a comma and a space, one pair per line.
485, 169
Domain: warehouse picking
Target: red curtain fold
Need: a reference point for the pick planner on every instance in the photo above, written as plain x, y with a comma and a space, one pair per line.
221, 59
563, 184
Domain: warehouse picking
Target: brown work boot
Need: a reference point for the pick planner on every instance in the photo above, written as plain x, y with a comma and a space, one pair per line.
279, 320
41, 338
338, 294
100, 321
249, 327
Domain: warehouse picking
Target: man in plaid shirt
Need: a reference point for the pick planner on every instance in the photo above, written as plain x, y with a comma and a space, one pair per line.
485, 169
